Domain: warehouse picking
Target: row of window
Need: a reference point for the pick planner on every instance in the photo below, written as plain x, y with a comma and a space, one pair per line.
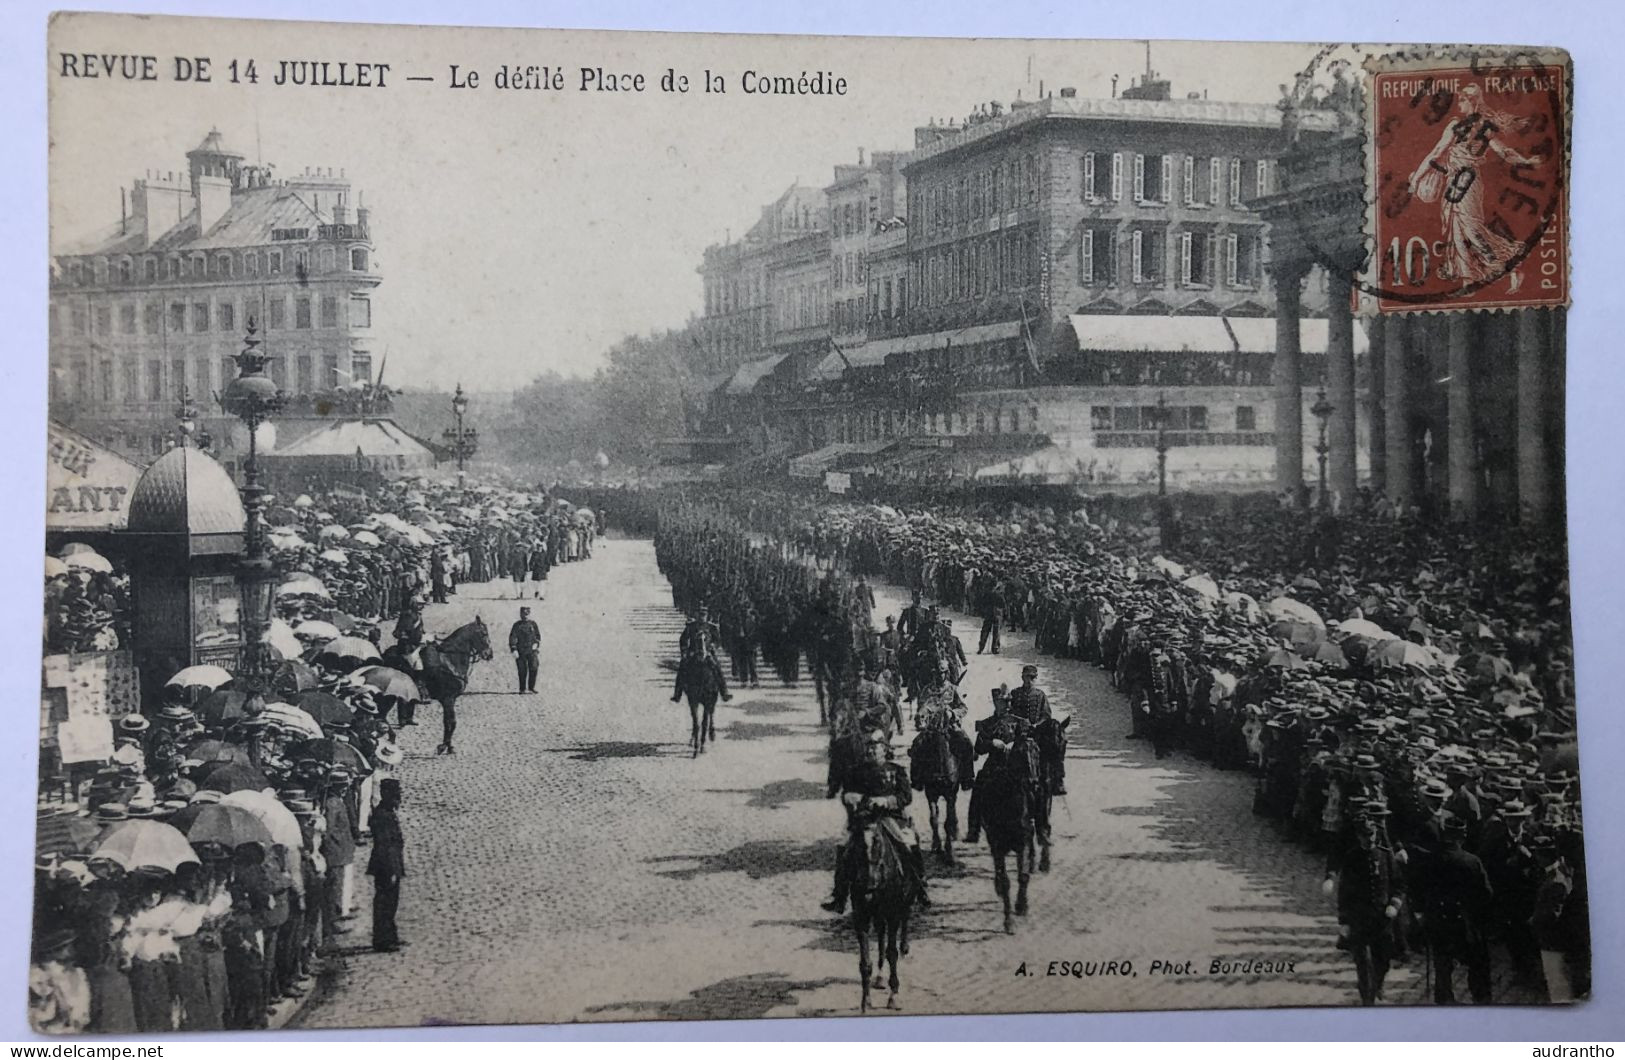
1180, 418
154, 380
215, 265
202, 316
803, 305
1200, 182
724, 296
1206, 259
849, 218
1003, 186
852, 268
877, 424
973, 268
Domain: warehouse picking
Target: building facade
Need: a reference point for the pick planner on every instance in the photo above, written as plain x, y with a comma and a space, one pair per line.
158, 302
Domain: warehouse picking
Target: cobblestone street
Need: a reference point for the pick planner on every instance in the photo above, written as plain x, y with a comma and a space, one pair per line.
572, 862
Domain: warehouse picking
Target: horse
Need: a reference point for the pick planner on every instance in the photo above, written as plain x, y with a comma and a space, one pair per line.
698, 679
1005, 806
882, 901
446, 665
940, 765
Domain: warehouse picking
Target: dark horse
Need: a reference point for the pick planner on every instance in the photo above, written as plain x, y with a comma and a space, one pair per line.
700, 679
939, 766
446, 664
882, 901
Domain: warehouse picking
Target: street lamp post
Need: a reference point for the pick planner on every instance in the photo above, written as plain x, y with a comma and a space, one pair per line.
1162, 445
1322, 411
463, 440
253, 398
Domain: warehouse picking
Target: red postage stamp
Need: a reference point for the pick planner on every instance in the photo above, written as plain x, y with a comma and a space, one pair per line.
1468, 202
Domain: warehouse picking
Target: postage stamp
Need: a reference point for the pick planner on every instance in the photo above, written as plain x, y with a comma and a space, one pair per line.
1467, 180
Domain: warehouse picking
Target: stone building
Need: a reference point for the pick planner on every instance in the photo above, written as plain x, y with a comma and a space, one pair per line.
159, 300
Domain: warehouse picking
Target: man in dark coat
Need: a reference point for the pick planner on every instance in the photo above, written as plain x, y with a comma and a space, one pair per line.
386, 866
525, 641
876, 794
1369, 894
991, 605
1457, 914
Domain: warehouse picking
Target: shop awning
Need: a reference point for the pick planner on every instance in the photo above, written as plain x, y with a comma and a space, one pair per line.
1110, 333
750, 374
89, 485
815, 463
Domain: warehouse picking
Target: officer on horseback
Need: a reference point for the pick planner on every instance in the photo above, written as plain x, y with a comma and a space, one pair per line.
699, 639
876, 796
995, 737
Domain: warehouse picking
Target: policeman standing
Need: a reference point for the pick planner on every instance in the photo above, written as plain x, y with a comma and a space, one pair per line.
386, 866
525, 641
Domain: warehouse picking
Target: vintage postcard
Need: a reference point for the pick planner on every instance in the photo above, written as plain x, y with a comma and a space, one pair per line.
577, 526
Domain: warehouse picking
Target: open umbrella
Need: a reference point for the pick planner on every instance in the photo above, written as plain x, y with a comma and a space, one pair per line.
1286, 659
1330, 654
211, 752
1295, 610
334, 556
1168, 567
345, 622
303, 585
1202, 585
1361, 627
230, 777
333, 532
54, 568
1242, 604
326, 708
218, 709
293, 676
152, 845
359, 649
227, 825
390, 682
304, 501
281, 637
1402, 653
330, 752
277, 818
293, 719
91, 561
315, 631
366, 538
205, 676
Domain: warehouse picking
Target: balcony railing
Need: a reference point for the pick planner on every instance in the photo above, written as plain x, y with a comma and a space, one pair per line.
1180, 439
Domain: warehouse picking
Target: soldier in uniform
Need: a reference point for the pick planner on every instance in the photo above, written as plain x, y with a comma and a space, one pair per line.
876, 796
1370, 891
995, 735
873, 705
1456, 914
525, 641
913, 619
700, 637
1031, 705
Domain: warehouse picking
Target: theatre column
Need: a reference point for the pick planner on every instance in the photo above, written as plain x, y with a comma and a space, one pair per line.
1463, 459
1534, 379
1340, 432
1396, 409
1287, 377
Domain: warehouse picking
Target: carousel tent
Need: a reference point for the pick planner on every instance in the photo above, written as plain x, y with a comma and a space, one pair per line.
373, 444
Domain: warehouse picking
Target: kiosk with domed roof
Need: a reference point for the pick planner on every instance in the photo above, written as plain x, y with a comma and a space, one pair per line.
185, 540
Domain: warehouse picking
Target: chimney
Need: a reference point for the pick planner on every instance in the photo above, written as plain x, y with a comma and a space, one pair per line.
212, 198
341, 212
1069, 93
860, 156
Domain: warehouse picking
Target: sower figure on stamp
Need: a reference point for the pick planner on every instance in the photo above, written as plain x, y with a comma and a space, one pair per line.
876, 796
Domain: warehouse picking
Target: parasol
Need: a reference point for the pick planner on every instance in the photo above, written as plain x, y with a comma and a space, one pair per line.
91, 561
230, 777
145, 845
366, 538
358, 648
1363, 627
280, 636
1285, 607
293, 676
205, 676
292, 718
334, 556
226, 825
333, 532
1202, 585
391, 682
326, 708
315, 631
277, 818
54, 568
330, 752
1402, 653
212, 752
220, 708
303, 585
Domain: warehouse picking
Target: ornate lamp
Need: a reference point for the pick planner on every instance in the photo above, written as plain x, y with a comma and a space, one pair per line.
1322, 411
253, 398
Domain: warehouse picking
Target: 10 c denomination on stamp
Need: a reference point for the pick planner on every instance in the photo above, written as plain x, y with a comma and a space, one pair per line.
1468, 181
